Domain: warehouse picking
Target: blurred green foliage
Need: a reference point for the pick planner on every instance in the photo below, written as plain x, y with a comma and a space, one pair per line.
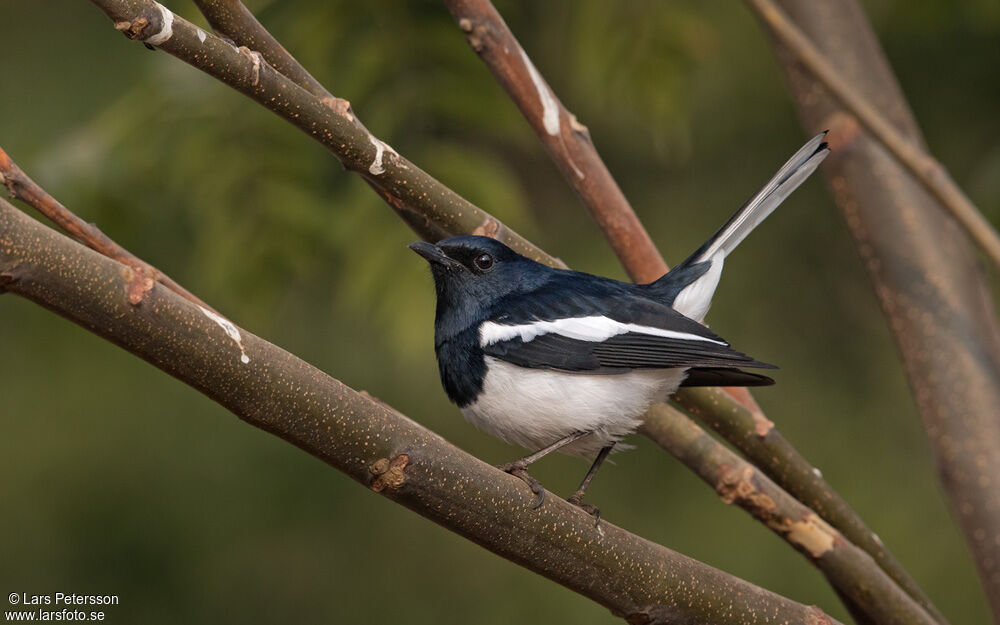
121, 480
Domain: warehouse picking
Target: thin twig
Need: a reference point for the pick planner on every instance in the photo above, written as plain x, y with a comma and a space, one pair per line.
855, 576
927, 170
378, 447
20, 186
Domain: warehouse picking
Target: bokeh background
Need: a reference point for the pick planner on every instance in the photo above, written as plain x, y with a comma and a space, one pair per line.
121, 480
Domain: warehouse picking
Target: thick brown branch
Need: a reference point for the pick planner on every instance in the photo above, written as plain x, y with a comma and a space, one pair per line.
566, 139
928, 171
857, 578
925, 273
416, 195
376, 446
20, 186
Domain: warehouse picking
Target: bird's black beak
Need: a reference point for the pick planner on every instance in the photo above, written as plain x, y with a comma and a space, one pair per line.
433, 254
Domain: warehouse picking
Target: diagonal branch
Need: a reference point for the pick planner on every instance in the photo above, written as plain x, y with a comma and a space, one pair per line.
20, 186
376, 446
232, 19
928, 171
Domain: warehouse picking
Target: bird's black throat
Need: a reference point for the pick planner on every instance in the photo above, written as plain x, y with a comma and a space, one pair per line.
462, 366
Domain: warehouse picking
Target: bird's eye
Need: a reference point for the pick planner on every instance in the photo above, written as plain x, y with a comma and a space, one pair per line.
484, 262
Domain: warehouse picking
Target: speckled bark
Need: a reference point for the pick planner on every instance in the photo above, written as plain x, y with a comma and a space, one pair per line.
232, 19
854, 575
925, 273
376, 446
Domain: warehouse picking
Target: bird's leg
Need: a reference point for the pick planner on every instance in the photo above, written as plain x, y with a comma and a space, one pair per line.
577, 498
519, 468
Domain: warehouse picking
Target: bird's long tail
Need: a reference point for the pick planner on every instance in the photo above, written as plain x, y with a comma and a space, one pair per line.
689, 287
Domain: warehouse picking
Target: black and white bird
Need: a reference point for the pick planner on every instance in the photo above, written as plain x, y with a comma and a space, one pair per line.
551, 359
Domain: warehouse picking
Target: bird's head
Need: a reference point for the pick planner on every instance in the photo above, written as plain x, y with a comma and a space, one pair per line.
472, 272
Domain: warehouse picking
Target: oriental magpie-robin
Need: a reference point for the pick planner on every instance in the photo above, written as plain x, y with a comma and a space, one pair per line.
552, 359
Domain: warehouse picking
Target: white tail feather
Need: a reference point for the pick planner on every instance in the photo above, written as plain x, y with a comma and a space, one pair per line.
780, 186
696, 298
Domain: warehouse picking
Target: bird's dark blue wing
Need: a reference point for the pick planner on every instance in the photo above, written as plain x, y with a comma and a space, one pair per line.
602, 327
617, 354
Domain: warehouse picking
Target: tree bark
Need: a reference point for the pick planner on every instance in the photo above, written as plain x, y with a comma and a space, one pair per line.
926, 276
232, 19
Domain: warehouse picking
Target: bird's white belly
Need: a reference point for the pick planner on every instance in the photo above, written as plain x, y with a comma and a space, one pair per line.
536, 407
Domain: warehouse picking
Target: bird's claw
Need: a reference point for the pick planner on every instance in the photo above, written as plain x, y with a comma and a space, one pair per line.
519, 470
591, 509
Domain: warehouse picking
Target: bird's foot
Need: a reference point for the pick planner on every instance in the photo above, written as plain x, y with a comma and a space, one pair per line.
577, 500
520, 470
